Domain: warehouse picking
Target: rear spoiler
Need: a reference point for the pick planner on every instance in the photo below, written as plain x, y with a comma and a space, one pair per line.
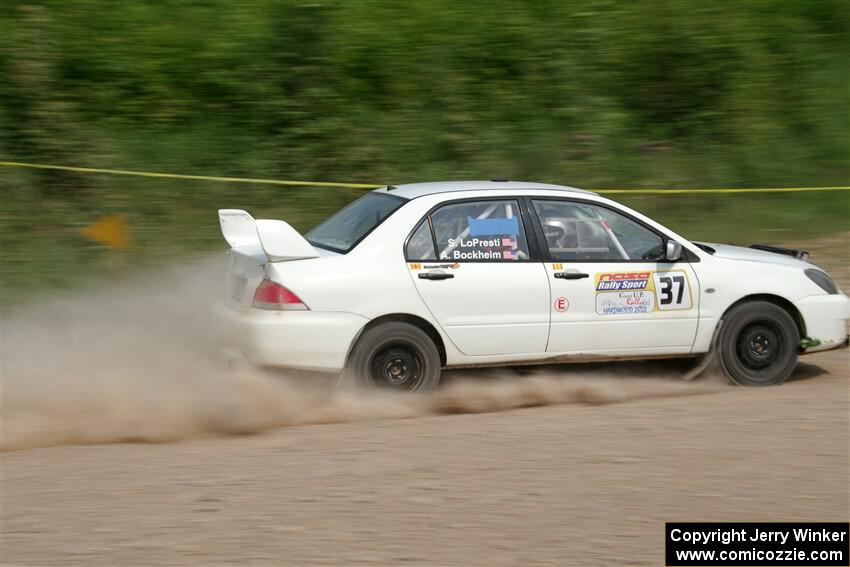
799, 254
278, 239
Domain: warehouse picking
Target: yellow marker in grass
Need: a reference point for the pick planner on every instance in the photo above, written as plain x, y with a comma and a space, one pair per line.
110, 230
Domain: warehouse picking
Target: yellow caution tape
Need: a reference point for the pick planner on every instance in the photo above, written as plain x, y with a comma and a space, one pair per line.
193, 177
292, 183
737, 190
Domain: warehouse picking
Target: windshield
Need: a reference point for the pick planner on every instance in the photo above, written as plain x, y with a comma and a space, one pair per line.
343, 230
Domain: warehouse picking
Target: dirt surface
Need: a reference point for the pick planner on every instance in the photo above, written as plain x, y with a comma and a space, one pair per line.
587, 477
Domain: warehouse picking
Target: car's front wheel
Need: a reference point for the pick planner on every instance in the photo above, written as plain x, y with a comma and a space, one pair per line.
758, 344
394, 356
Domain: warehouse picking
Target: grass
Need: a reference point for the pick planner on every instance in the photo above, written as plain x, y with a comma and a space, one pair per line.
734, 96
43, 249
746, 218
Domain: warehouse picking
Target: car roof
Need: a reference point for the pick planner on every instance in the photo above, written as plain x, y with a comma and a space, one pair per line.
414, 190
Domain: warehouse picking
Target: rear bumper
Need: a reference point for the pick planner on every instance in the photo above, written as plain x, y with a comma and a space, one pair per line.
825, 318
308, 340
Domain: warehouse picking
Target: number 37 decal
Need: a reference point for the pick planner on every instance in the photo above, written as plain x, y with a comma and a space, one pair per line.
672, 290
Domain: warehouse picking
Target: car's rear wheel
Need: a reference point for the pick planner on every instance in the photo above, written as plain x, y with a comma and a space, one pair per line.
758, 344
394, 356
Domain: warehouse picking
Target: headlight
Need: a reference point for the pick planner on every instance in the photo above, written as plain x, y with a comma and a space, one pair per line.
823, 280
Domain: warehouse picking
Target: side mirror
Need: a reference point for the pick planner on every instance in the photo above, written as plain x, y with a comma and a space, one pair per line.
673, 252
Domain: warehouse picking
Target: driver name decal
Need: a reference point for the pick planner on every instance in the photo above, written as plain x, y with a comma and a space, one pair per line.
496, 248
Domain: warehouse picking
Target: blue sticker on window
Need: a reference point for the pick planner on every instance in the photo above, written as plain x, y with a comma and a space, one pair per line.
493, 227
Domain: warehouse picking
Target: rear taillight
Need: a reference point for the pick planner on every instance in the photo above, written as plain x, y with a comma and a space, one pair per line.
271, 295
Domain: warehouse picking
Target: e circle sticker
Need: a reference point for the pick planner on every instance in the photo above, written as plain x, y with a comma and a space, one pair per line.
562, 304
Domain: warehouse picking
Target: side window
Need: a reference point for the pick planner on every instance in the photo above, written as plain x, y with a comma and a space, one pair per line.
481, 230
421, 245
580, 231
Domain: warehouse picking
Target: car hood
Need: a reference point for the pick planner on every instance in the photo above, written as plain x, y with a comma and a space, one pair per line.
730, 252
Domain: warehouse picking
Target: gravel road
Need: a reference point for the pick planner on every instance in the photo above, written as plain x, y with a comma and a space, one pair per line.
559, 484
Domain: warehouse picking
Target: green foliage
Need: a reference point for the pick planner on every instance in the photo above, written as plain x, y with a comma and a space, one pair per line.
684, 93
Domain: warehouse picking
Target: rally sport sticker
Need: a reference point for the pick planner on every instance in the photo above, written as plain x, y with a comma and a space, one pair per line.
623, 293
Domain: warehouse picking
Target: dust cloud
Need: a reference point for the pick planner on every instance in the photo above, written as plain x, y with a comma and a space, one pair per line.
138, 363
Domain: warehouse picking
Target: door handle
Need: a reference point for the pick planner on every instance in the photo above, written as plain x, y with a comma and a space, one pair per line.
435, 276
570, 275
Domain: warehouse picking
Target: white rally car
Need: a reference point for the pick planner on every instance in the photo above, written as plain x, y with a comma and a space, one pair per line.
413, 278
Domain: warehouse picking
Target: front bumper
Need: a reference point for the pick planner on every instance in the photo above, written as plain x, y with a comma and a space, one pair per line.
307, 340
825, 318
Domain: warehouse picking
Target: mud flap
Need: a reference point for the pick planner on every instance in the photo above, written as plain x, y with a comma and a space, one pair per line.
707, 358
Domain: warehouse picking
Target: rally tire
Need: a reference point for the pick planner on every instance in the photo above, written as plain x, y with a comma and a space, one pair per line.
393, 356
758, 344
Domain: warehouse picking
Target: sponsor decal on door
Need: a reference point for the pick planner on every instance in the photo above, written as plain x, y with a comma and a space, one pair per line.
623, 293
421, 266
622, 281
625, 302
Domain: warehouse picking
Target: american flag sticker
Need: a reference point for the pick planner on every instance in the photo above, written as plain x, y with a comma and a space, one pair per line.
509, 255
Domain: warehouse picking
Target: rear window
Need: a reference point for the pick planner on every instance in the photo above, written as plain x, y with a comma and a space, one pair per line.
344, 229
